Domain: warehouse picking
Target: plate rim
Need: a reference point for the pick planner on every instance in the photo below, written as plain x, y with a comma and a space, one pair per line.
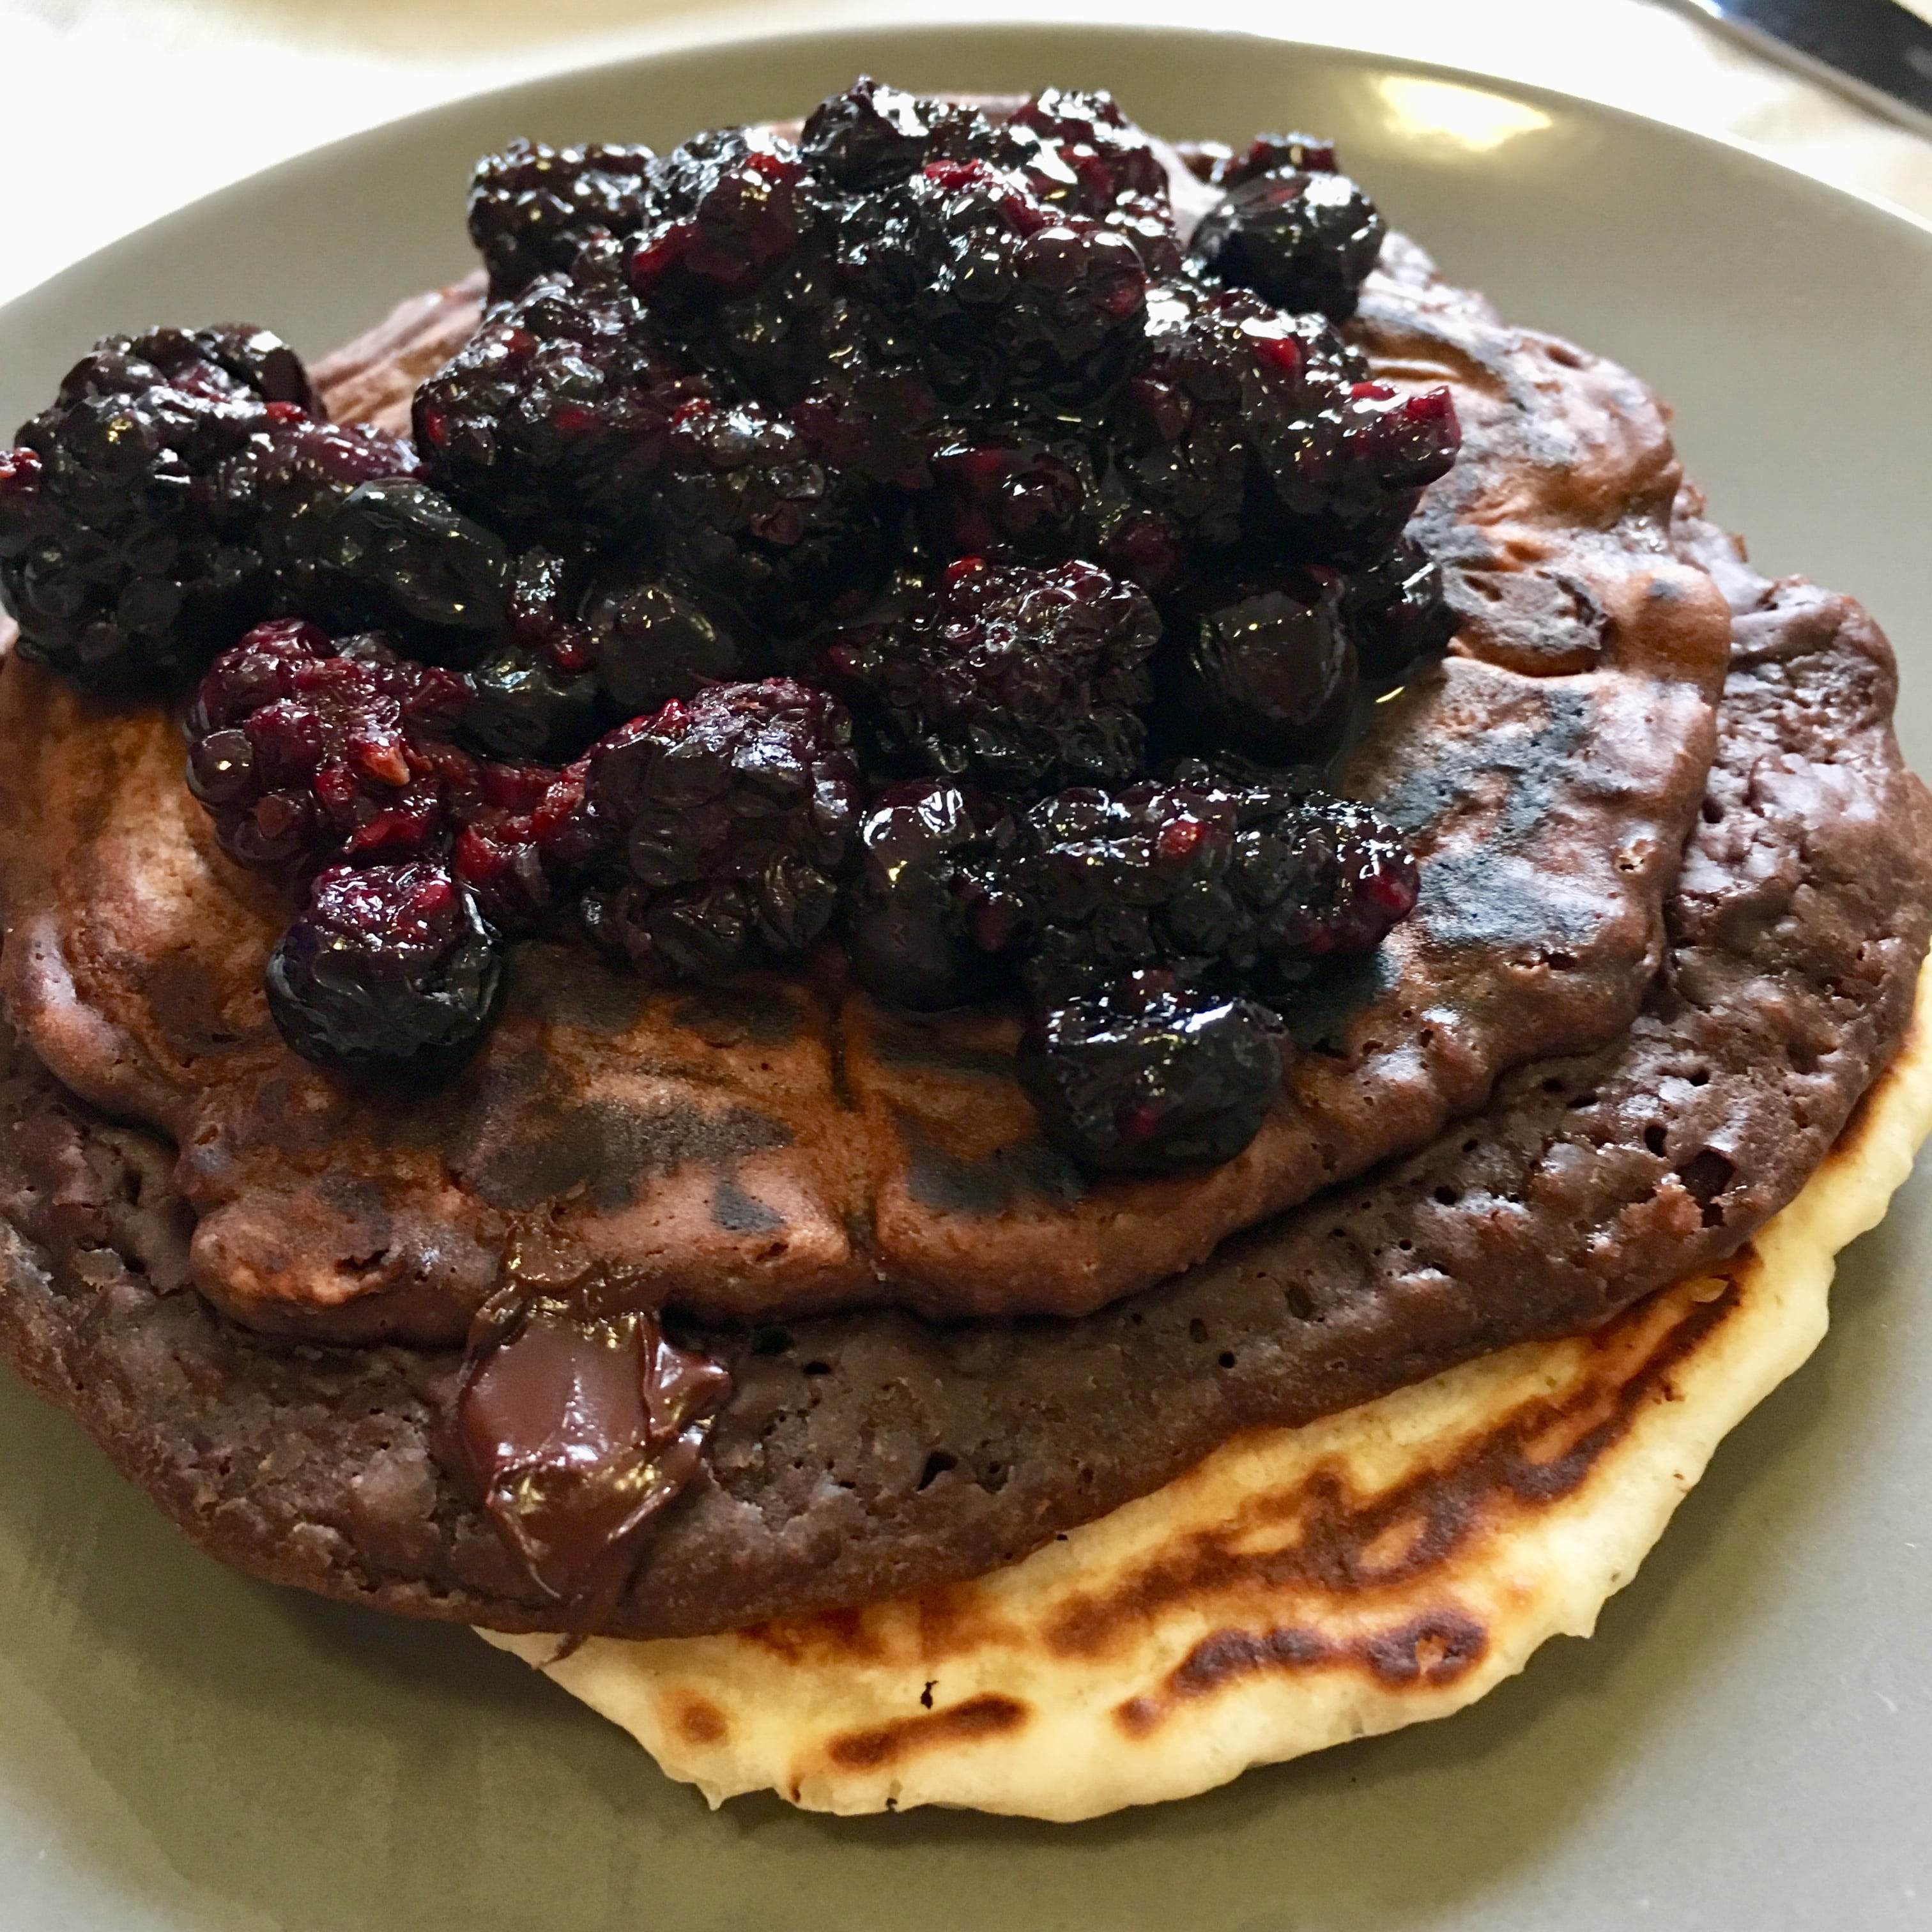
717, 37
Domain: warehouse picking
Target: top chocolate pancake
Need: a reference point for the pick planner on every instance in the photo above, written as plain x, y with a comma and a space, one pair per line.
784, 1145
870, 1454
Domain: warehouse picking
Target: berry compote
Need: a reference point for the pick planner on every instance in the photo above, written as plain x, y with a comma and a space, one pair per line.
825, 540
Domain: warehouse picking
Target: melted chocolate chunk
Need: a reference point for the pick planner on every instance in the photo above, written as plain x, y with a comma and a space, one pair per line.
579, 1427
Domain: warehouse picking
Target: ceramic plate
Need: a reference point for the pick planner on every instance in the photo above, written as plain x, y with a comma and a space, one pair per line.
1746, 1745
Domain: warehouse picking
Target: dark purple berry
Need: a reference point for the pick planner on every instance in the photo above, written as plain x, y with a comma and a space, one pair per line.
925, 919
1304, 240
396, 553
1275, 153
1111, 157
1221, 884
1265, 669
531, 207
391, 970
872, 419
125, 555
1247, 426
1009, 499
753, 518
724, 822
523, 707
869, 136
1018, 678
1153, 1076
305, 750
1396, 611
558, 409
652, 640
736, 208
1006, 296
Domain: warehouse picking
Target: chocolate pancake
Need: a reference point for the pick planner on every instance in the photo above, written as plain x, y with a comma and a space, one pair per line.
872, 1453
782, 1148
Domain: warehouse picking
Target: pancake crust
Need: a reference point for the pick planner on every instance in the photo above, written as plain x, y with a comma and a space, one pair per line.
785, 1147
1301, 1587
870, 1455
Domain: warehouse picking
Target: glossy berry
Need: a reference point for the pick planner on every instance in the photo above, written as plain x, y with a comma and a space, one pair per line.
723, 823
753, 519
1153, 1076
522, 707
736, 207
1006, 295
1016, 677
1396, 611
1005, 498
391, 970
869, 136
1221, 166
1305, 241
124, 555
1109, 155
558, 408
1223, 884
305, 750
395, 553
652, 639
1264, 669
532, 207
926, 920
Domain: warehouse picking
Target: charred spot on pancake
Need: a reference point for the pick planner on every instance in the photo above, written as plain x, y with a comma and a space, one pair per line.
565, 986
738, 1212
982, 1186
515, 1158
989, 1716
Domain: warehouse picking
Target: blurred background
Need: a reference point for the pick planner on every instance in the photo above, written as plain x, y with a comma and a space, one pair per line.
122, 110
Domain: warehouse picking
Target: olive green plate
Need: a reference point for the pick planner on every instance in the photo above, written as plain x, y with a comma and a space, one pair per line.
1746, 1745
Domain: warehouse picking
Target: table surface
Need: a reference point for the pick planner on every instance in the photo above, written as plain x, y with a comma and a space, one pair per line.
123, 109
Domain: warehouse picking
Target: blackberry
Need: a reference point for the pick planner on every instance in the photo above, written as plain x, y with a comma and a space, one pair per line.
535, 691
1111, 158
1146, 221
1218, 165
121, 553
531, 207
870, 136
1152, 1076
1223, 884
396, 553
737, 205
926, 920
1017, 677
305, 750
1248, 426
865, 412
1008, 297
1396, 611
391, 970
1307, 240
522, 706
652, 639
522, 848
752, 517
557, 409
723, 823
1349, 502
1266, 669
1005, 497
